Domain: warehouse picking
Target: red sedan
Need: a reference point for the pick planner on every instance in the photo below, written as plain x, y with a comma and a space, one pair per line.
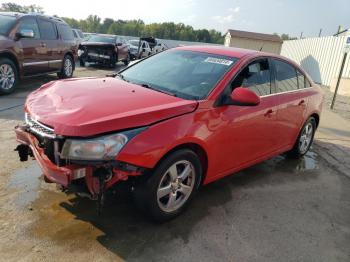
170, 123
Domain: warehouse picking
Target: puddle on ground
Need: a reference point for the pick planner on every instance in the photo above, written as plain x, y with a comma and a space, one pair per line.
308, 162
27, 182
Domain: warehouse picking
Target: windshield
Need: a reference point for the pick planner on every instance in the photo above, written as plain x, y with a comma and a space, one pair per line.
6, 23
186, 74
134, 42
102, 39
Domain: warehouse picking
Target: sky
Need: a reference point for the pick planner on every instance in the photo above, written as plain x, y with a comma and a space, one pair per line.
264, 16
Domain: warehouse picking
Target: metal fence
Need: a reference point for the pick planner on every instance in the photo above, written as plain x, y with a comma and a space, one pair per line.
321, 57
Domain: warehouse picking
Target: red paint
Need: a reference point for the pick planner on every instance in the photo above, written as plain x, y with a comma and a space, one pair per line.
232, 137
245, 96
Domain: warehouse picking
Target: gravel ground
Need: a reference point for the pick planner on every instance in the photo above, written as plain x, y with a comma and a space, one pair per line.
342, 103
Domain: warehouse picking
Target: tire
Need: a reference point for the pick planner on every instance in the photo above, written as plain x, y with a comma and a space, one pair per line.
113, 61
67, 69
164, 195
8, 76
82, 62
304, 140
127, 60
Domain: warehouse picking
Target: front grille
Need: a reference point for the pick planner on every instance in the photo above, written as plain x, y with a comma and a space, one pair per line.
39, 128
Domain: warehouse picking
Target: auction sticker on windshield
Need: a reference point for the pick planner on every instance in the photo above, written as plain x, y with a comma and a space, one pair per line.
218, 61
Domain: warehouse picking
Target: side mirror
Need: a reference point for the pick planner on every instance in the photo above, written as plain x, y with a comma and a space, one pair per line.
143, 50
244, 97
119, 44
25, 33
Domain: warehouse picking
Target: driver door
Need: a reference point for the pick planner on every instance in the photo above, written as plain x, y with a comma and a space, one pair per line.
248, 132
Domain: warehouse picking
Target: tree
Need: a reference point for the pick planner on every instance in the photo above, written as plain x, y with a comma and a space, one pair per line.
13, 7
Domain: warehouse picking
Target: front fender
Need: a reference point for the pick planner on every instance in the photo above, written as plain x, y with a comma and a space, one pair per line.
147, 148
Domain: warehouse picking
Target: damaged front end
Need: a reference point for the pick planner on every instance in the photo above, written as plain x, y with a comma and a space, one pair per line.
84, 166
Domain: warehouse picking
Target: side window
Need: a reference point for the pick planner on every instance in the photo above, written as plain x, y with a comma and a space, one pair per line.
286, 77
47, 30
66, 32
75, 34
256, 77
30, 24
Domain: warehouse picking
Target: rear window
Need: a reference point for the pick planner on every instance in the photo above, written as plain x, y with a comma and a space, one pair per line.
66, 32
286, 77
47, 30
6, 23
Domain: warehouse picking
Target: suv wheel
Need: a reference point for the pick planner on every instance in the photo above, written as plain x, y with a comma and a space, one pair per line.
8, 76
305, 139
67, 68
170, 186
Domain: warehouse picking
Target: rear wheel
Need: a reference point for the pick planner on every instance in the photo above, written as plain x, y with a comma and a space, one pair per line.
305, 139
67, 68
171, 186
8, 76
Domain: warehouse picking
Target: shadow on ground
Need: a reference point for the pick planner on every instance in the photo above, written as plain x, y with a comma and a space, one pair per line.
128, 233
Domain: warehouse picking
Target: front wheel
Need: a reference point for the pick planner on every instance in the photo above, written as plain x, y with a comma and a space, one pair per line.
8, 76
305, 139
171, 186
67, 68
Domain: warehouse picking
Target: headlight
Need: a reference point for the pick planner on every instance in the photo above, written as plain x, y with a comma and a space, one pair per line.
80, 52
100, 148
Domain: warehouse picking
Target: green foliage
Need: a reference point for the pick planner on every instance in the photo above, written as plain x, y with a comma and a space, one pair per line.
285, 37
12, 7
93, 24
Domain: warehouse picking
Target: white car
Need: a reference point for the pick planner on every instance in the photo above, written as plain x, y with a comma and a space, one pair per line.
137, 52
78, 35
159, 47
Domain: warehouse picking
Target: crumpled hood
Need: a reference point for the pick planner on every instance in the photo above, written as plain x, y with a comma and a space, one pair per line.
96, 44
90, 106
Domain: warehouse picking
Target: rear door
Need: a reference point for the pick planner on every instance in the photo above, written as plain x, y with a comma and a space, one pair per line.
249, 131
33, 52
292, 101
49, 39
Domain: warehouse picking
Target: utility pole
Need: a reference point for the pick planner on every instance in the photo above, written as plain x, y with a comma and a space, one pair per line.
346, 50
319, 34
301, 35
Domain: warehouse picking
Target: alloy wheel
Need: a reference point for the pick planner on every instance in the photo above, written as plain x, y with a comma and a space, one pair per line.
305, 138
176, 186
7, 77
68, 67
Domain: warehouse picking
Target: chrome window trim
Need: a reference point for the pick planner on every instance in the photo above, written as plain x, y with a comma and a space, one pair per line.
286, 92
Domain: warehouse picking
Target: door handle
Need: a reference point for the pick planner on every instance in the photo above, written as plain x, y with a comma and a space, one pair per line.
42, 44
301, 102
268, 113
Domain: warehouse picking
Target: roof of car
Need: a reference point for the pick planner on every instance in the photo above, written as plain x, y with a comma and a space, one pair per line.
220, 50
18, 14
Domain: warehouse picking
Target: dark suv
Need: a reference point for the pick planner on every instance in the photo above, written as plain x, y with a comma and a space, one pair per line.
33, 44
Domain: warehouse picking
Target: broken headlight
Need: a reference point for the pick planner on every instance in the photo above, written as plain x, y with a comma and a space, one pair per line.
100, 148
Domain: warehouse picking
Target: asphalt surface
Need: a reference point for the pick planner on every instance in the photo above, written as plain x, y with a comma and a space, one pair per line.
279, 210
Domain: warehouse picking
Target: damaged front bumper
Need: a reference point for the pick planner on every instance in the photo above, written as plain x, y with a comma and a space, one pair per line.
85, 178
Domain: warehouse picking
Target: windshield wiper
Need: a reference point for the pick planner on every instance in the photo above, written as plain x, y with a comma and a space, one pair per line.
159, 90
120, 76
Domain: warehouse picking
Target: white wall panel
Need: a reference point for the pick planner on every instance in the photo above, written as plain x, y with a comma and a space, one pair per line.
321, 57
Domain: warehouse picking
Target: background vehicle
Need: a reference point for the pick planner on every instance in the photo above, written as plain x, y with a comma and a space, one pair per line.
104, 49
139, 49
78, 35
159, 47
170, 123
33, 44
